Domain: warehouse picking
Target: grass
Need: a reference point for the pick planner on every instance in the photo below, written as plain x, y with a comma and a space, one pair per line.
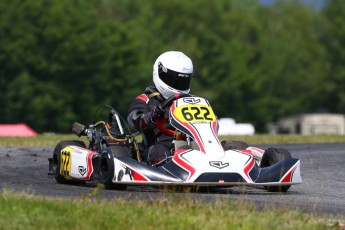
24, 211
288, 139
39, 140
53, 139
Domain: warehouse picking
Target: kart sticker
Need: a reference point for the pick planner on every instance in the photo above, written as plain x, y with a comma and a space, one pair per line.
219, 164
191, 100
66, 162
82, 170
194, 113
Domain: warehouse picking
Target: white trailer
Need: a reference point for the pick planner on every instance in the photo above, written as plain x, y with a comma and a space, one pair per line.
310, 124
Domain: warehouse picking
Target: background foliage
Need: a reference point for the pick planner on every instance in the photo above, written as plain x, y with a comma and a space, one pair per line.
61, 59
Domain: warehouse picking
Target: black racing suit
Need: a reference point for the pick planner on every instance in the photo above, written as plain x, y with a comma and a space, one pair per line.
158, 146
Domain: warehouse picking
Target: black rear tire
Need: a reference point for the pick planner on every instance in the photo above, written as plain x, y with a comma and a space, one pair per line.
57, 158
228, 145
107, 167
271, 157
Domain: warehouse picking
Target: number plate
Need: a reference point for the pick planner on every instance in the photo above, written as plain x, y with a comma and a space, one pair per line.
194, 113
66, 162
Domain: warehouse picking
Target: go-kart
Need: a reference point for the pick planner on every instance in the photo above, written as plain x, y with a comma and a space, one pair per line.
113, 156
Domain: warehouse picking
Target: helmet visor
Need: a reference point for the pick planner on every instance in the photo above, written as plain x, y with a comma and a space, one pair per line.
176, 80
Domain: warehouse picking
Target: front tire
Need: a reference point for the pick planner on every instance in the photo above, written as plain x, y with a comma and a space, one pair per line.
271, 157
57, 158
228, 145
107, 167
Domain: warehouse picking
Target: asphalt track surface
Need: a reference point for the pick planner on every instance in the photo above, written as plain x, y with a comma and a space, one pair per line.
322, 191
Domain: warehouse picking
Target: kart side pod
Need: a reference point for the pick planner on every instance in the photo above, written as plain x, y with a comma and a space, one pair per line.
75, 163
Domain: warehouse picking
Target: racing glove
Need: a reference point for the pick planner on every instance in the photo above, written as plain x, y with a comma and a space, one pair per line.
157, 113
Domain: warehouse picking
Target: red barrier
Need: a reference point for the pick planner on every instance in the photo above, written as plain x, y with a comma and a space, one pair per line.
16, 130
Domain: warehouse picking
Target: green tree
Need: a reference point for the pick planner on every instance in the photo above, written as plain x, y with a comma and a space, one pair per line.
57, 45
62, 59
334, 41
289, 72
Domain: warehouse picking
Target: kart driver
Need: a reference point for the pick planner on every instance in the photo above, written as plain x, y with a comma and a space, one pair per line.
172, 74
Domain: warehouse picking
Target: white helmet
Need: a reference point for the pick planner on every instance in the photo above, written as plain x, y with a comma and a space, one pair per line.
172, 73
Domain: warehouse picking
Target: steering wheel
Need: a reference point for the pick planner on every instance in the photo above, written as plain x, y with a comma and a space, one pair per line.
165, 104
171, 99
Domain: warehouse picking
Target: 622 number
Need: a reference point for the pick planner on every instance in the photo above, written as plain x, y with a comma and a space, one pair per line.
192, 113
